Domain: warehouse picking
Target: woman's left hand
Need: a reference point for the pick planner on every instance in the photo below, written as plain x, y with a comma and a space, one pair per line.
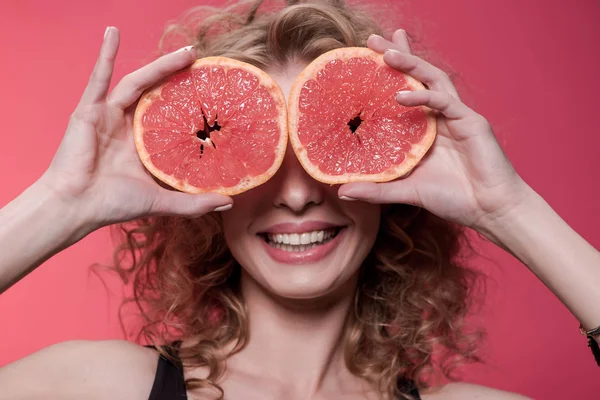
465, 177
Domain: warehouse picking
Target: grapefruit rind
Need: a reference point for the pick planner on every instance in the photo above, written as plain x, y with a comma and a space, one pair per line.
246, 183
413, 156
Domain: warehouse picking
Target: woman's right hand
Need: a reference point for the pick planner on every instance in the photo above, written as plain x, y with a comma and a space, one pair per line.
97, 169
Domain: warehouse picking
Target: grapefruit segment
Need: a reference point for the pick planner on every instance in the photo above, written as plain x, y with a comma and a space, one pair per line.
162, 115
345, 124
179, 93
171, 158
158, 140
240, 85
217, 126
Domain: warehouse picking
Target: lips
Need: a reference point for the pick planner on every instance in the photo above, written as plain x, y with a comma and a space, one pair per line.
293, 243
306, 238
308, 226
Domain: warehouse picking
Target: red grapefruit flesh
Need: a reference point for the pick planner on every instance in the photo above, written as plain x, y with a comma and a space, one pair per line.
216, 126
345, 124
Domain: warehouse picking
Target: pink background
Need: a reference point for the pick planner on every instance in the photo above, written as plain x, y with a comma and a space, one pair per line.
532, 70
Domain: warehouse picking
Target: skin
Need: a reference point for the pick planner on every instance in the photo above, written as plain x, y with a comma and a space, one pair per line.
292, 196
306, 305
297, 321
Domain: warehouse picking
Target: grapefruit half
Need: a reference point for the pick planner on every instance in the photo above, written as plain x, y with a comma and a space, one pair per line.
216, 126
345, 124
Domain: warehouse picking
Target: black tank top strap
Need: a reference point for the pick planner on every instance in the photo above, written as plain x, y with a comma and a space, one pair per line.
169, 382
408, 386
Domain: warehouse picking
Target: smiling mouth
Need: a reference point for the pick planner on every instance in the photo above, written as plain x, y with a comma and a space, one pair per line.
298, 242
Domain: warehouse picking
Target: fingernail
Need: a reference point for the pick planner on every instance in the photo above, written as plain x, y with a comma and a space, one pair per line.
348, 198
403, 95
374, 35
186, 48
106, 32
223, 208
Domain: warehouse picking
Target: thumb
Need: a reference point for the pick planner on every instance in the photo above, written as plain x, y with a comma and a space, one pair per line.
189, 205
396, 192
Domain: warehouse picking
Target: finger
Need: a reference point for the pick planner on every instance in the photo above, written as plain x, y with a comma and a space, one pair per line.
397, 192
99, 81
400, 39
448, 105
188, 205
131, 87
433, 77
380, 44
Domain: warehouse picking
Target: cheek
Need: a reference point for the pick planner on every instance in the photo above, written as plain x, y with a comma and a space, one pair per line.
235, 225
366, 216
236, 237
366, 219
247, 206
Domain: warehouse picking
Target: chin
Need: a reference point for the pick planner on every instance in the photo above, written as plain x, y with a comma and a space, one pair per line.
325, 280
320, 263
309, 285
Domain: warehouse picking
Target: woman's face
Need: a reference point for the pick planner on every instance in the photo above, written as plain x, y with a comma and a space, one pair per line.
293, 235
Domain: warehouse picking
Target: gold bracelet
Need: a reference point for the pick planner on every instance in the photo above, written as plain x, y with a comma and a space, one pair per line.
591, 332
592, 343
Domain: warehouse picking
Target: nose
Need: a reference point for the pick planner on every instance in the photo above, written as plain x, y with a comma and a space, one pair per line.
296, 190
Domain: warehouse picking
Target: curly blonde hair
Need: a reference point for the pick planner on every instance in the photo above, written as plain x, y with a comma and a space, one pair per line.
415, 289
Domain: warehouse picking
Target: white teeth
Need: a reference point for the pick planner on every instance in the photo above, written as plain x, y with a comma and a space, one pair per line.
299, 241
294, 238
305, 238
294, 249
314, 235
320, 236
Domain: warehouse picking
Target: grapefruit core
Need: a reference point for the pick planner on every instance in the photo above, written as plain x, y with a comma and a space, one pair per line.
216, 126
345, 124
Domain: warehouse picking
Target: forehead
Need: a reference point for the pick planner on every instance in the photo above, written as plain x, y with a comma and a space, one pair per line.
285, 76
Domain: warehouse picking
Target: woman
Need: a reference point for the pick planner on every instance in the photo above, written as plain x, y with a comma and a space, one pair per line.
363, 321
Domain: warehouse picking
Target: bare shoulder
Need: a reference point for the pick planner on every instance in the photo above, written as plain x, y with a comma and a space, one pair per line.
114, 369
468, 391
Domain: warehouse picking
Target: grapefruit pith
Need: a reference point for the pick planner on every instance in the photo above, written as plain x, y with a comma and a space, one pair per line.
216, 126
345, 124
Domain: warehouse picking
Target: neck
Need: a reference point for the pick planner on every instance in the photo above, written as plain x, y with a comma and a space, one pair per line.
297, 342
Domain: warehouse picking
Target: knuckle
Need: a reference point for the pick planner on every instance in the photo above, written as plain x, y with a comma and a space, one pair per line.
478, 120
129, 80
379, 193
164, 69
153, 205
440, 97
481, 120
448, 98
414, 62
86, 113
125, 81
440, 75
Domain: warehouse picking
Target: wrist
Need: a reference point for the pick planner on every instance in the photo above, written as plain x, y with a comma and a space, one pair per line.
33, 227
497, 225
64, 213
